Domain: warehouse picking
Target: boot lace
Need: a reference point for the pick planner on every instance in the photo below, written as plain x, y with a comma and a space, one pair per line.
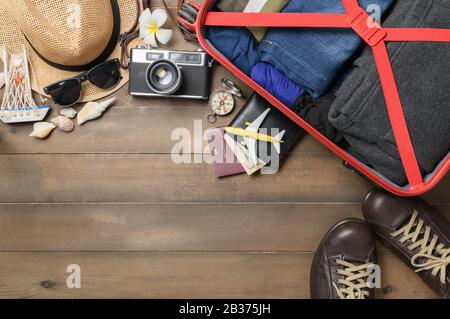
432, 255
353, 285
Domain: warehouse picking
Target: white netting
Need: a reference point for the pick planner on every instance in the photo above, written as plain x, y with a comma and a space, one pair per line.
17, 98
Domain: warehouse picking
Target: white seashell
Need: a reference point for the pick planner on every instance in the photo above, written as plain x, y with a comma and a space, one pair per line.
42, 129
93, 110
2, 79
63, 123
69, 112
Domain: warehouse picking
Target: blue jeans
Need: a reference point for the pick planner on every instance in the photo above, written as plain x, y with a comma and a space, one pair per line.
313, 58
237, 45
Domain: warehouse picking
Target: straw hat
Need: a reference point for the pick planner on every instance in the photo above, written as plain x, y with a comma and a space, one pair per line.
67, 37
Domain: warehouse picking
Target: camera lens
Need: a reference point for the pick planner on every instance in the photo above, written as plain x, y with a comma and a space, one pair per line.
164, 77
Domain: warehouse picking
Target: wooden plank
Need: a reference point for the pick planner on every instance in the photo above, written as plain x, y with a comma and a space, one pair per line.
131, 126
63, 178
147, 178
276, 227
144, 178
179, 275
405, 283
441, 193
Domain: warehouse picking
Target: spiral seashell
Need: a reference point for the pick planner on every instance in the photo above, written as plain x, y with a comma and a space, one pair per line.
93, 110
63, 123
42, 129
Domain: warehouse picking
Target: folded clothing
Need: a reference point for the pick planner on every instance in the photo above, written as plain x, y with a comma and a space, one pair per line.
315, 111
252, 6
313, 57
422, 72
232, 6
237, 45
276, 83
263, 6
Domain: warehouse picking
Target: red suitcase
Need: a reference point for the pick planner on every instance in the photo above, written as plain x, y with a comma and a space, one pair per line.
376, 37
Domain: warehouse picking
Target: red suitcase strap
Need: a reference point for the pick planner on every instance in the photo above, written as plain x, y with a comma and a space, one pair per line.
375, 36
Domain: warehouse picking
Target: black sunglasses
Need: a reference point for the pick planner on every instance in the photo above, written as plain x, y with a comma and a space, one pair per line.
68, 91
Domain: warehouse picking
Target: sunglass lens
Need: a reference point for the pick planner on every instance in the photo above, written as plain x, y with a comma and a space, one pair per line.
106, 75
66, 92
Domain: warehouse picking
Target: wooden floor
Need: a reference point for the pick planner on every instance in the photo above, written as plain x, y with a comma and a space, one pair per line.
109, 198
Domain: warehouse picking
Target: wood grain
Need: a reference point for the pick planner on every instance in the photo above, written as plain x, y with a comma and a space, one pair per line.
63, 178
179, 275
131, 125
273, 227
42, 178
92, 178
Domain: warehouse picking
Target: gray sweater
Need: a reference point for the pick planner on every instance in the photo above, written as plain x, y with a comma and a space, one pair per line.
422, 71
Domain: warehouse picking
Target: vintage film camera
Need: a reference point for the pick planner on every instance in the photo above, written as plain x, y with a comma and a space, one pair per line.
169, 73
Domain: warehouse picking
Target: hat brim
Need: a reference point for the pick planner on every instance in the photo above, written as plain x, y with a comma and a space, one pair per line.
43, 74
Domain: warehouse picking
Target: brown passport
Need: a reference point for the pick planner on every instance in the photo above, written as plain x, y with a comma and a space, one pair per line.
225, 162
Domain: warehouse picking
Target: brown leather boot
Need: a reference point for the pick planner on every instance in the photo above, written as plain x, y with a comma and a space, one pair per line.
340, 268
414, 231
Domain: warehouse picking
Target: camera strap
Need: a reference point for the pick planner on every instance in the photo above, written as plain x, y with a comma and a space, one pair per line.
179, 5
145, 4
131, 34
189, 8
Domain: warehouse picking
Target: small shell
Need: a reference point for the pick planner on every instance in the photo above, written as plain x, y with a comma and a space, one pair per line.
42, 129
69, 112
93, 110
2, 79
63, 123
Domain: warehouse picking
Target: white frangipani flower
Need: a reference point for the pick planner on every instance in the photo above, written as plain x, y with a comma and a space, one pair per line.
150, 24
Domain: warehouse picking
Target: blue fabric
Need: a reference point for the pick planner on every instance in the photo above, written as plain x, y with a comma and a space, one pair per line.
313, 58
277, 84
236, 44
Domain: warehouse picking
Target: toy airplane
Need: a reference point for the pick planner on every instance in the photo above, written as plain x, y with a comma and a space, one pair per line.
251, 135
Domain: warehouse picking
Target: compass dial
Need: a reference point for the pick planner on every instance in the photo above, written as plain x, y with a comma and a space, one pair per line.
222, 103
